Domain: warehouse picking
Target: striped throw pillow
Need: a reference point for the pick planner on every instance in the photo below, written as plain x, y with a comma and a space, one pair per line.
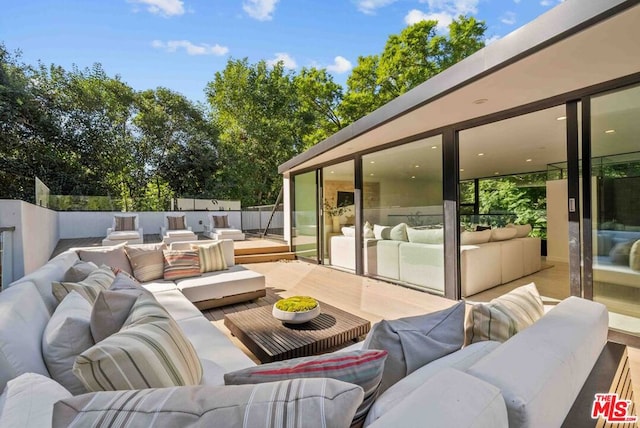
149, 351
181, 264
147, 263
125, 223
211, 256
363, 368
308, 403
176, 223
89, 288
504, 316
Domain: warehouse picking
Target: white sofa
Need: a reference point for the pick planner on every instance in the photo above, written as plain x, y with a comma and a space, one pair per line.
482, 266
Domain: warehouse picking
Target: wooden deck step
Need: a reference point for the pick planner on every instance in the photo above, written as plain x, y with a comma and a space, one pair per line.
272, 248
264, 257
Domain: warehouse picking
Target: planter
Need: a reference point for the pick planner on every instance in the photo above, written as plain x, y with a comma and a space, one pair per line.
295, 317
336, 223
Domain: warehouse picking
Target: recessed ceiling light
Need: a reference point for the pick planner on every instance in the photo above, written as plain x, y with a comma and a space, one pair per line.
480, 101
529, 160
434, 147
461, 169
496, 173
333, 172
417, 166
480, 154
610, 131
371, 174
372, 162
561, 118
413, 176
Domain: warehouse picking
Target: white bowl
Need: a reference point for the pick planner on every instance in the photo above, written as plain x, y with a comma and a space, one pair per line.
295, 317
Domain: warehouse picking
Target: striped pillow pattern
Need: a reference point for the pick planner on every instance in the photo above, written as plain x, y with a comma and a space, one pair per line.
149, 351
181, 264
308, 403
89, 288
221, 221
504, 316
125, 223
211, 257
147, 263
176, 223
363, 368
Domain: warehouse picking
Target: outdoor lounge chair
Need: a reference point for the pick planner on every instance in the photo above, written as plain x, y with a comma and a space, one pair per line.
124, 229
219, 228
175, 229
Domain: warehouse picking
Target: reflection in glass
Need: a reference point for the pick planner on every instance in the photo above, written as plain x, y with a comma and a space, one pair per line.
305, 223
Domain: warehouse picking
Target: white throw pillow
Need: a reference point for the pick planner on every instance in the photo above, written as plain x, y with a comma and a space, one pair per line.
349, 231
425, 236
475, 238
503, 233
367, 231
67, 335
27, 401
522, 230
381, 232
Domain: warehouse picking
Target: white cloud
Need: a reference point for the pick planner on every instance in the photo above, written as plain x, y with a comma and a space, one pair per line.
508, 18
516, 1
262, 10
340, 65
369, 6
190, 48
491, 40
286, 59
546, 3
414, 16
163, 7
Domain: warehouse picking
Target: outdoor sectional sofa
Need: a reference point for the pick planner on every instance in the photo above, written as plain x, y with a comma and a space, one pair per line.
487, 258
531, 380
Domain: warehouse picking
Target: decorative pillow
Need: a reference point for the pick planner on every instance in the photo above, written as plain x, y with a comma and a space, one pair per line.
413, 342
480, 228
110, 311
349, 231
147, 263
399, 232
125, 223
425, 236
634, 256
503, 233
181, 264
211, 257
124, 281
176, 223
367, 231
522, 230
113, 256
363, 368
475, 238
27, 401
149, 351
79, 271
620, 254
97, 280
381, 232
301, 402
66, 336
220, 221
504, 316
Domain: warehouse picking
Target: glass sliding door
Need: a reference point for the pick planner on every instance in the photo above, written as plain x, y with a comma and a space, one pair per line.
615, 200
403, 204
338, 214
305, 216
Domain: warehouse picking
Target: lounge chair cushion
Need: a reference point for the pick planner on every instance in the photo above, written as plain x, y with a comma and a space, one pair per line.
66, 336
123, 236
220, 221
176, 223
97, 281
123, 223
147, 263
315, 402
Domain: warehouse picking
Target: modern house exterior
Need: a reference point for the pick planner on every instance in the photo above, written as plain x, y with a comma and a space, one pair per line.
556, 104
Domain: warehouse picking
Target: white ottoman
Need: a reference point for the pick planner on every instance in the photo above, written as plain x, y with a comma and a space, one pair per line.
179, 236
234, 234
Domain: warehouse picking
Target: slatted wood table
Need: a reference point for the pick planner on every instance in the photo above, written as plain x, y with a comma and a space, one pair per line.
271, 340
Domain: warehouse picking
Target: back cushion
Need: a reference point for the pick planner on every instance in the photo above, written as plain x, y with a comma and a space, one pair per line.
176, 223
125, 223
425, 236
221, 221
23, 318
113, 256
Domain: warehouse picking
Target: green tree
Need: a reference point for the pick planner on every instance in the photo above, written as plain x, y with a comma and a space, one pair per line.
408, 59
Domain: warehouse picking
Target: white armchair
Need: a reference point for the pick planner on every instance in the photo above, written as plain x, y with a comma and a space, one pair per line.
124, 229
175, 229
219, 228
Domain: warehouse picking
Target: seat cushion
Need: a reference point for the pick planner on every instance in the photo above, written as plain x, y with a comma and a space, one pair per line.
123, 236
180, 234
214, 285
224, 232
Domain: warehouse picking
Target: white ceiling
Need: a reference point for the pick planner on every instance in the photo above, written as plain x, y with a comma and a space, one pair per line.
599, 53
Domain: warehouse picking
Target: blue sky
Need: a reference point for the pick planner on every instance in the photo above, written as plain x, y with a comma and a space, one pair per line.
180, 44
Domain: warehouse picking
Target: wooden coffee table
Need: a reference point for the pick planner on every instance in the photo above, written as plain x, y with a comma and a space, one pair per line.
271, 340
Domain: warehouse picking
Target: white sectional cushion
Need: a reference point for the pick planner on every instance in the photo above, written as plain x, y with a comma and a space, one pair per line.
422, 264
68, 334
214, 285
113, 256
532, 255
503, 233
177, 305
23, 318
381, 232
522, 230
553, 358
475, 238
406, 386
479, 268
387, 258
399, 232
511, 259
27, 401
425, 236
451, 398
